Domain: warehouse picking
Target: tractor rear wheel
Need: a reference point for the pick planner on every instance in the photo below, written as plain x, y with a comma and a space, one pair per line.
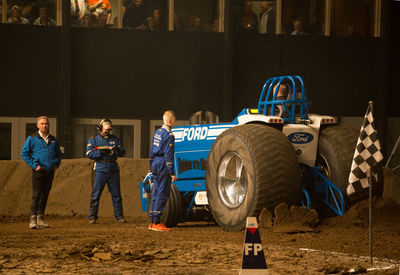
250, 167
173, 209
335, 154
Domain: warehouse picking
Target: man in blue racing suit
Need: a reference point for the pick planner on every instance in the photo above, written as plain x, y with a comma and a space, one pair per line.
104, 149
162, 168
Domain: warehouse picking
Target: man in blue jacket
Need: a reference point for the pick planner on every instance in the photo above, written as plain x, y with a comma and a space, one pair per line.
104, 149
162, 167
42, 153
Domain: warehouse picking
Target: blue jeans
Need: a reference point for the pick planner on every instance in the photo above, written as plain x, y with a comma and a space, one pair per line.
159, 196
100, 180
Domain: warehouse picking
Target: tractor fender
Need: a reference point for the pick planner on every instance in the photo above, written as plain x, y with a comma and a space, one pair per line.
246, 119
318, 120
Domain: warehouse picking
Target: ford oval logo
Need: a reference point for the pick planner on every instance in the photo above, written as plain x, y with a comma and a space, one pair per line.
300, 138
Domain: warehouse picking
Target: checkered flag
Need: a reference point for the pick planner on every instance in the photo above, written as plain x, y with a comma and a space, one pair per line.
367, 154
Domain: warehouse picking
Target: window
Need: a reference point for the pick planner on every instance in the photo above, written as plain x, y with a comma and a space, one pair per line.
30, 128
353, 18
197, 15
34, 12
128, 131
95, 13
13, 134
303, 17
245, 16
150, 15
5, 141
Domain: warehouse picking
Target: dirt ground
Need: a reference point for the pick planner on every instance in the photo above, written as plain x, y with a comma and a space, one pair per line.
72, 246
338, 245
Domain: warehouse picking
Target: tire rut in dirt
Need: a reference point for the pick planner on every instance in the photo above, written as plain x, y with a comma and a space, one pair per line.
272, 173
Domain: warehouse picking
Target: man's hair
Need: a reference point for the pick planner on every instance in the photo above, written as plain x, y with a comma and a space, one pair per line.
15, 7
168, 115
42, 117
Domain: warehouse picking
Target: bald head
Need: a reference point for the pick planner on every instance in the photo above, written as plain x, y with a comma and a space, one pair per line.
169, 118
264, 6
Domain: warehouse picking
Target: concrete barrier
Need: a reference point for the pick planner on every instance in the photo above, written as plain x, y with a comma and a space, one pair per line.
70, 193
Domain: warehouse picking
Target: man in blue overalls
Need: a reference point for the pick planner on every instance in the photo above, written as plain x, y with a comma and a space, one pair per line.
162, 167
104, 149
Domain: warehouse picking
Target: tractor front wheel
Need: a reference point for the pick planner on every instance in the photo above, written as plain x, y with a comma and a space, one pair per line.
250, 167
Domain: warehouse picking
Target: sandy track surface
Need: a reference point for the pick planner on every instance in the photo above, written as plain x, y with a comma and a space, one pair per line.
72, 246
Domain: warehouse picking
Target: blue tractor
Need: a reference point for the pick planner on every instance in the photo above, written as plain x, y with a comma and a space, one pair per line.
267, 155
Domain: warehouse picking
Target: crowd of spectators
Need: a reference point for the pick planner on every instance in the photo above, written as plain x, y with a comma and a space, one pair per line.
31, 12
136, 15
148, 15
249, 16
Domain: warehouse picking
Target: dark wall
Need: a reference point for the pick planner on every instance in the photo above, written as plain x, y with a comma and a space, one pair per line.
341, 75
30, 66
122, 73
394, 67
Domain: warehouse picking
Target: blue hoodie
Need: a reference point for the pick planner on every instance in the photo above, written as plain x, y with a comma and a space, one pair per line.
36, 152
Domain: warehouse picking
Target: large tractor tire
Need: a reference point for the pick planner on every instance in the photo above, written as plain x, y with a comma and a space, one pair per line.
173, 209
335, 154
250, 167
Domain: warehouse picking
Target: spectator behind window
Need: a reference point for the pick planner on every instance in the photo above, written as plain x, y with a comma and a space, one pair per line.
298, 27
267, 18
100, 7
158, 20
44, 19
246, 19
315, 28
178, 26
89, 21
115, 23
78, 11
195, 24
135, 15
26, 12
351, 31
102, 21
214, 25
16, 17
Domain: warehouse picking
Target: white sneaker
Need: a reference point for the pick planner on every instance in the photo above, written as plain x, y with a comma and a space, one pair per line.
33, 222
41, 223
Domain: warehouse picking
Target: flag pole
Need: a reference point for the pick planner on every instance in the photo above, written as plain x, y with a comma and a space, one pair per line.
370, 198
370, 217
370, 107
396, 146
